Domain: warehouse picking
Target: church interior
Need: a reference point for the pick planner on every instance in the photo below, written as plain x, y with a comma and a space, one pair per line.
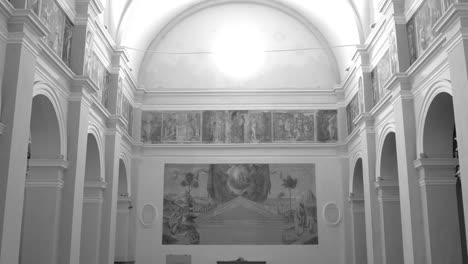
204, 131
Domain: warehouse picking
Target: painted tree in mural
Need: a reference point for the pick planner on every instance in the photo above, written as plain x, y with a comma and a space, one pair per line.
190, 182
289, 183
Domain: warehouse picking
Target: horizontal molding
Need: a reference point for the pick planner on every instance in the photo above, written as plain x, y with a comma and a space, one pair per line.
95, 185
44, 183
438, 181
386, 184
435, 163
93, 200
388, 198
59, 163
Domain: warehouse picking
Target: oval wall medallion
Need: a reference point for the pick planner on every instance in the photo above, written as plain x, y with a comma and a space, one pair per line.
148, 215
331, 214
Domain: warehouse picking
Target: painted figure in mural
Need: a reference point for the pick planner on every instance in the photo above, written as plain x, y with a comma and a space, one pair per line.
67, 40
88, 54
259, 127
170, 127
225, 202
237, 126
251, 181
151, 126
327, 125
393, 51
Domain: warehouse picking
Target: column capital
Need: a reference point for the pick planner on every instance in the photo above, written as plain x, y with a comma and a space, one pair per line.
455, 23
436, 171
435, 163
57, 163
82, 90
24, 27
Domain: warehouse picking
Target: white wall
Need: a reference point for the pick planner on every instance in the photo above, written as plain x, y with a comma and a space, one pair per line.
329, 171
296, 69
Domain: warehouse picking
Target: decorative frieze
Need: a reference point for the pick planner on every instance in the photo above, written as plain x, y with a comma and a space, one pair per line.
239, 126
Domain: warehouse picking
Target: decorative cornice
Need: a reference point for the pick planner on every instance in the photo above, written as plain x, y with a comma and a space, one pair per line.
6, 8
58, 163
55, 61
44, 183
82, 89
438, 181
25, 28
427, 55
67, 8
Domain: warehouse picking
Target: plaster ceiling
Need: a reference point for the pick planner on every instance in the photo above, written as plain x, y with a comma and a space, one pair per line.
137, 24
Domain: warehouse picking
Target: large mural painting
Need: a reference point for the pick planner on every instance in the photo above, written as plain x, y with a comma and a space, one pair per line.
240, 204
239, 126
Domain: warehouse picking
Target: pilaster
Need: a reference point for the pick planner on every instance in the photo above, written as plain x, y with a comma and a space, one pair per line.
410, 197
372, 213
24, 32
72, 198
456, 23
112, 161
93, 200
390, 217
440, 210
41, 221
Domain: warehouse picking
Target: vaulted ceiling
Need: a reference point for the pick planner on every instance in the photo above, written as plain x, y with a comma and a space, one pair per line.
138, 24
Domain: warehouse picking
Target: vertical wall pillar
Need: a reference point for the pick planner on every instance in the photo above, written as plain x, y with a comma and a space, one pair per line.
41, 219
358, 219
92, 220
112, 154
439, 197
72, 197
25, 31
457, 51
372, 215
390, 218
410, 193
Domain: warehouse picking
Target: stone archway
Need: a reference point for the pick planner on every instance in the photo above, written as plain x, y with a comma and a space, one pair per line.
124, 206
358, 215
440, 186
389, 199
43, 187
92, 204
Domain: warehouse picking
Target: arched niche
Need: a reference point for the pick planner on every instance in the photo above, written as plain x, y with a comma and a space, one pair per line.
358, 182
439, 127
388, 160
123, 184
93, 160
358, 215
45, 132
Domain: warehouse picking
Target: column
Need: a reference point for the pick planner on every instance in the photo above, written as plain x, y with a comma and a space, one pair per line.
112, 159
390, 217
72, 196
439, 198
41, 219
410, 193
25, 31
358, 219
457, 49
93, 200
